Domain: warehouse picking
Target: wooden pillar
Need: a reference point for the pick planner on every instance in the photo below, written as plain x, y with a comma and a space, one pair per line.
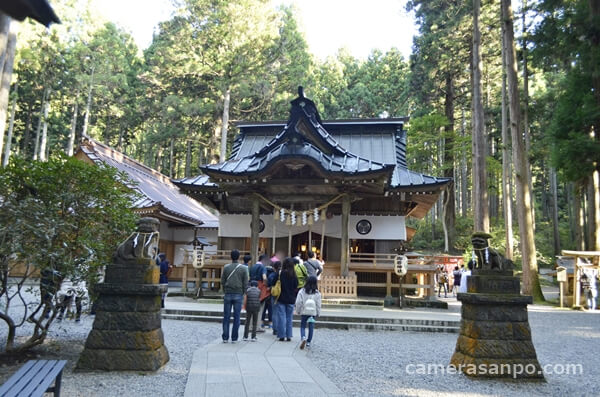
289, 241
344, 244
255, 229
388, 284
309, 245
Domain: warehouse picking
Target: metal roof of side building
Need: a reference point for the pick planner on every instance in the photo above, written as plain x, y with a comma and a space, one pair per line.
159, 196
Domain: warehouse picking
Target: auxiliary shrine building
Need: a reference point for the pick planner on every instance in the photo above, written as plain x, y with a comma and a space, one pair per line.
339, 188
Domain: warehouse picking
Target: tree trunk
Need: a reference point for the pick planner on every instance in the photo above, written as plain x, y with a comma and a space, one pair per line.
38, 130
71, 144
24, 145
44, 138
171, 153
11, 125
6, 77
158, 159
506, 164
579, 226
571, 210
449, 208
481, 215
225, 123
554, 190
526, 134
188, 159
88, 105
531, 283
594, 211
464, 190
4, 29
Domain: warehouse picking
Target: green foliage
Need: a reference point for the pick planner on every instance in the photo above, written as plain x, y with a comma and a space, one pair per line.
63, 214
566, 40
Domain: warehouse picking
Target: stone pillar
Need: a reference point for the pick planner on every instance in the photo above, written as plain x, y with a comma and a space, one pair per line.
344, 254
255, 226
127, 333
495, 337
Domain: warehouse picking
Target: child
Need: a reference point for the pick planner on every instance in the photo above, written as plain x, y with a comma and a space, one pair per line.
252, 308
308, 305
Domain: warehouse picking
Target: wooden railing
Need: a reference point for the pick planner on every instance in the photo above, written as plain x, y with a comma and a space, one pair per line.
210, 273
367, 261
338, 286
422, 268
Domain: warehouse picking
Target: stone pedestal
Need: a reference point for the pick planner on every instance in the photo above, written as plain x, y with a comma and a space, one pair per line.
127, 333
495, 337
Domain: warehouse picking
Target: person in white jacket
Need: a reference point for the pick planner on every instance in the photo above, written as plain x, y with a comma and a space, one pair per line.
463, 279
308, 306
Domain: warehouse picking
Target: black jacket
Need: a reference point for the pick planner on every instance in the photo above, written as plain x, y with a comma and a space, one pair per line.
288, 289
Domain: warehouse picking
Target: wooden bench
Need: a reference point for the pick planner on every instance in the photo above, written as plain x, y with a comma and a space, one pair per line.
34, 379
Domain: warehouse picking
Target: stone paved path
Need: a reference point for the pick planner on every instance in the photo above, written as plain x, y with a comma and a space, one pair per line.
264, 368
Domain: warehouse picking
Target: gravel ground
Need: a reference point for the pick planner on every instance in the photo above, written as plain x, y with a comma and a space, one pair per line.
66, 341
363, 363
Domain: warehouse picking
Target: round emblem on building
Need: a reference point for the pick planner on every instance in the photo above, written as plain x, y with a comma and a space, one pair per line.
261, 226
363, 226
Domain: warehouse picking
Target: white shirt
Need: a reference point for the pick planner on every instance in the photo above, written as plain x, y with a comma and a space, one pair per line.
463, 281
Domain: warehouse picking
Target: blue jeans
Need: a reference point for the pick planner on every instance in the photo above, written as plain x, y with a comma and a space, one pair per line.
285, 313
232, 300
311, 328
275, 310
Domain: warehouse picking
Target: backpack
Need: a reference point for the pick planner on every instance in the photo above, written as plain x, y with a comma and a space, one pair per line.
310, 307
301, 274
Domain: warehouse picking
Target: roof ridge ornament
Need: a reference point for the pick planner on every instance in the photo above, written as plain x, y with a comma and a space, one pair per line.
301, 91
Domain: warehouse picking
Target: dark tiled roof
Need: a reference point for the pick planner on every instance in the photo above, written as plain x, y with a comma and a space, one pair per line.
337, 146
156, 189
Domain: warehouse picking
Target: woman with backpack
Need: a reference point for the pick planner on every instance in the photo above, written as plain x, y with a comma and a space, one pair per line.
308, 305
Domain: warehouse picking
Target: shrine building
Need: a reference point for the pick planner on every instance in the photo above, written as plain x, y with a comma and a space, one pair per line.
339, 188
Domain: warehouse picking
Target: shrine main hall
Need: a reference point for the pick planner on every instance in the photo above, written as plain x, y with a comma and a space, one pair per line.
339, 188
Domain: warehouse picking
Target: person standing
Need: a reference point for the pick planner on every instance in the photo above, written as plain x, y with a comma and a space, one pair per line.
165, 271
301, 272
591, 289
456, 274
234, 281
252, 308
313, 266
308, 305
464, 276
272, 280
442, 281
286, 300
267, 313
258, 273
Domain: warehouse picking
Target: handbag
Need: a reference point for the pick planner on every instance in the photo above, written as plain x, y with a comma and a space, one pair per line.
276, 289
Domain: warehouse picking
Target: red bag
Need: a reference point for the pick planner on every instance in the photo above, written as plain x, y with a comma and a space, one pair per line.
265, 292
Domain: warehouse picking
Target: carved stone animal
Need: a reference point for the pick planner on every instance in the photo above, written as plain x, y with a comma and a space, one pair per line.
142, 244
488, 258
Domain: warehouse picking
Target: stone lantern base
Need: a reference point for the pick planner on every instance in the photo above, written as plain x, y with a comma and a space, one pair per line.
495, 337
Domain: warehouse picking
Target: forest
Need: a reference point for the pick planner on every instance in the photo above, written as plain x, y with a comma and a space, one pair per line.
505, 99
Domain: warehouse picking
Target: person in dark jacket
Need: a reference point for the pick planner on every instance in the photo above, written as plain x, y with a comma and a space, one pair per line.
271, 280
286, 300
164, 266
252, 308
